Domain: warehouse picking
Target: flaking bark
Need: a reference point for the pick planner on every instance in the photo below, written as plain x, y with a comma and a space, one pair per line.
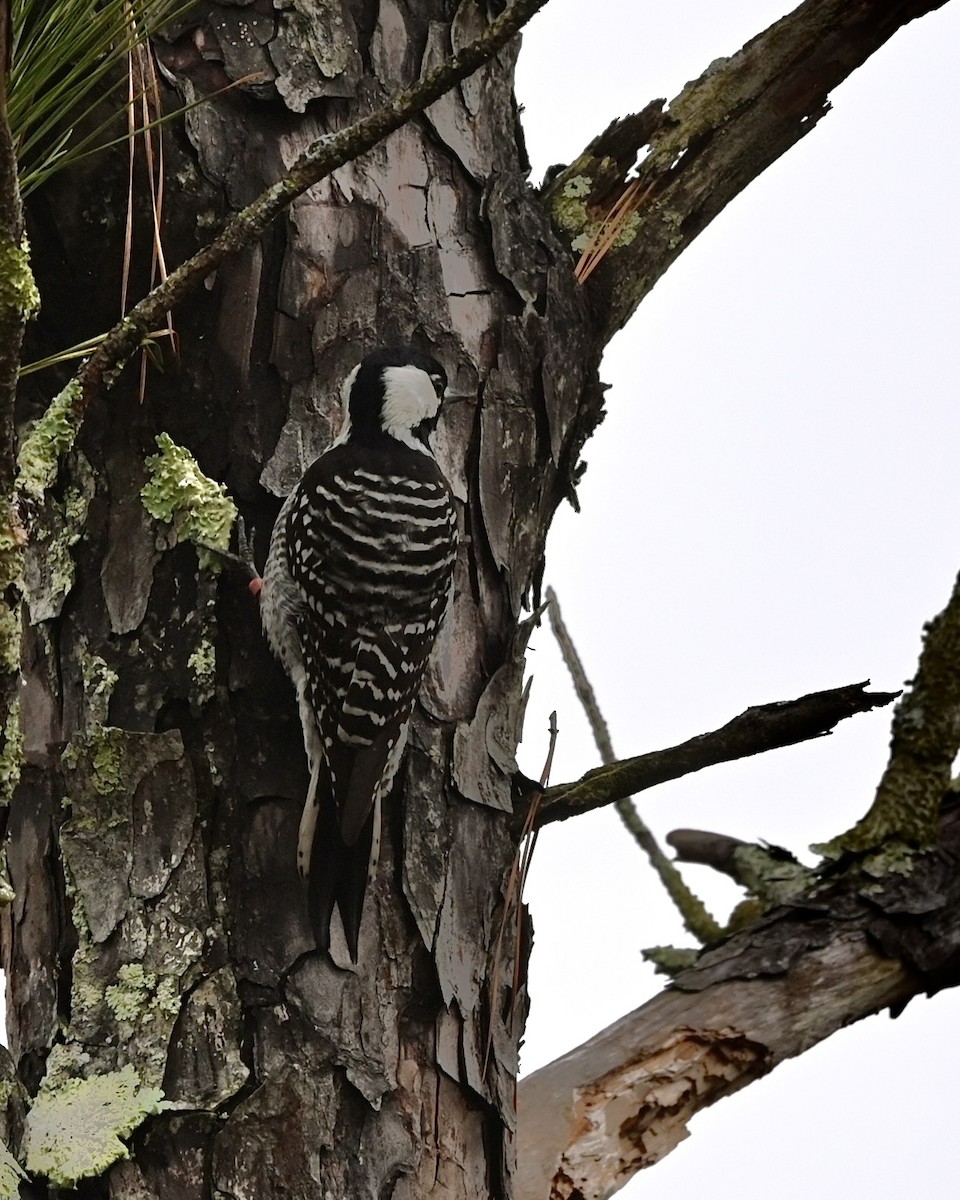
723, 130
169, 824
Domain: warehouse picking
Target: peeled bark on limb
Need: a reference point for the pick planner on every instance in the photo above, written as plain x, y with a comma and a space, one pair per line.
722, 131
623, 1099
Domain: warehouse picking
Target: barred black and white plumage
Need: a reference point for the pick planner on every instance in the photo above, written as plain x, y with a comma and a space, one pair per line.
355, 588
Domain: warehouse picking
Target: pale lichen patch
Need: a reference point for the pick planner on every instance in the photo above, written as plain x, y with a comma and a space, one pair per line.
18, 288
74, 1128
179, 493
11, 755
12, 540
11, 629
106, 746
49, 439
7, 894
99, 680
49, 570
572, 211
203, 663
127, 997
569, 208
10, 1175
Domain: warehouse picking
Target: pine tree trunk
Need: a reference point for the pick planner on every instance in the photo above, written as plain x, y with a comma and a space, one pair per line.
159, 919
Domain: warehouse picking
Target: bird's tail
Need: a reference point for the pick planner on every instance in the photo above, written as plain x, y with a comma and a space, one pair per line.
338, 871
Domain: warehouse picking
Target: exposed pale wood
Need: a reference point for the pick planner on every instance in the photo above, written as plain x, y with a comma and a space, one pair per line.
622, 1100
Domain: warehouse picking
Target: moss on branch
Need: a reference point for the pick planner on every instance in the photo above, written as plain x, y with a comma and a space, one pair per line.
924, 745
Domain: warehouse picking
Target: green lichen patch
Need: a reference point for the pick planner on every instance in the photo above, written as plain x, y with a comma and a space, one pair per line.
893, 858
10, 1175
166, 997
770, 874
627, 232
7, 894
49, 439
140, 994
95, 763
127, 997
178, 492
671, 960
49, 570
18, 288
11, 754
11, 629
99, 680
73, 1131
107, 747
573, 213
569, 208
203, 663
12, 541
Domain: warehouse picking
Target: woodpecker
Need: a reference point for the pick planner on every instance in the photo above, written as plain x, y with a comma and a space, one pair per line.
356, 584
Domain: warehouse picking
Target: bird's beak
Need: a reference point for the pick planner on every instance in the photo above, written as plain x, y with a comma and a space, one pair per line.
457, 394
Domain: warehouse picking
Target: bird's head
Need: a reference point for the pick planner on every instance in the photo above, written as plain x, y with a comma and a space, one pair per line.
396, 393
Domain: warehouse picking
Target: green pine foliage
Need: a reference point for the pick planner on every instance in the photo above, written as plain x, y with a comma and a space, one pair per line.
66, 54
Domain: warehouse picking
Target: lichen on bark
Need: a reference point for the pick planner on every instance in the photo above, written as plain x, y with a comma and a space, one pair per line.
198, 507
38, 458
73, 1130
924, 744
11, 1174
18, 288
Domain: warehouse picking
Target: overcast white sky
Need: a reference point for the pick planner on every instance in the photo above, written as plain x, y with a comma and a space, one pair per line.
770, 509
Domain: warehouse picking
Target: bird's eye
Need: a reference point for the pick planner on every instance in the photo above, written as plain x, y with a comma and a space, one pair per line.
438, 384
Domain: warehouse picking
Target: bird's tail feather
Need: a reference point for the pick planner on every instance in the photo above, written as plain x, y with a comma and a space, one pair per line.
338, 875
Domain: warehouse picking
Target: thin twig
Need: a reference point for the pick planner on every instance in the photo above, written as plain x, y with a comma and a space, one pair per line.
155, 179
696, 917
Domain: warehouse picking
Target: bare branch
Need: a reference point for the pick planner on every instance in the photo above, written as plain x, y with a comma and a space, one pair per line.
697, 920
622, 1100
717, 850
763, 727
317, 161
719, 134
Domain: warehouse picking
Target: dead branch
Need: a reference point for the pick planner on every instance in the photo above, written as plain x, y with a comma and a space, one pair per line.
622, 1100
761, 728
721, 132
